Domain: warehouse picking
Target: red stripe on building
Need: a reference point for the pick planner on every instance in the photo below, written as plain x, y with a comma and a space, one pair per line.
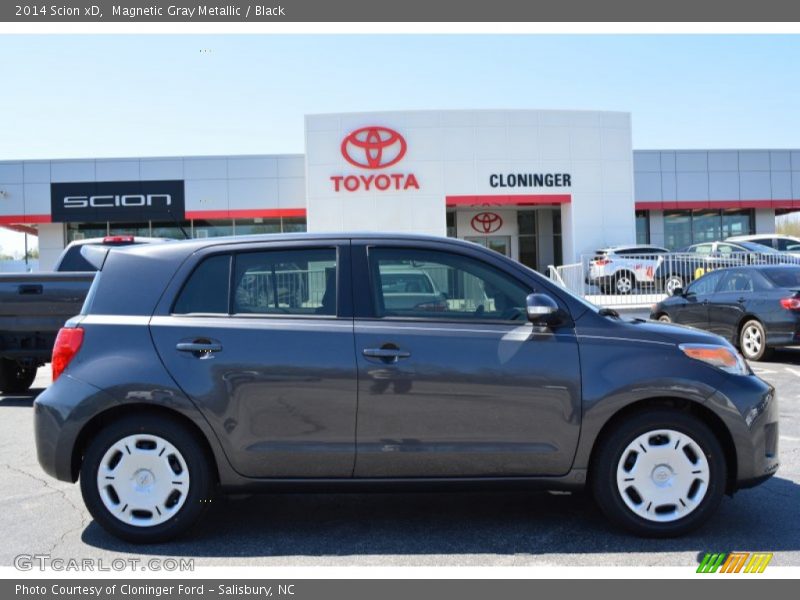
509, 200
272, 213
14, 219
688, 204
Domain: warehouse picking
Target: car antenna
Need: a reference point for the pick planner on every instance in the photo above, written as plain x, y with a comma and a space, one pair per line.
178, 223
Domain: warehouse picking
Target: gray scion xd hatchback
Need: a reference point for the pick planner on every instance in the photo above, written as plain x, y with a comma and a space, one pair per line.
330, 362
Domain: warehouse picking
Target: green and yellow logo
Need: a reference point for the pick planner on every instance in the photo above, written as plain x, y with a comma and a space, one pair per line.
735, 562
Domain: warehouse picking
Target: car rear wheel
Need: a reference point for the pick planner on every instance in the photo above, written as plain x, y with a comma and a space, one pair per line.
664, 319
660, 473
146, 479
753, 341
624, 283
672, 283
15, 378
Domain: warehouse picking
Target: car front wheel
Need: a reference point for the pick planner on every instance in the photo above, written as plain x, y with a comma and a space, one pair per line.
146, 479
659, 473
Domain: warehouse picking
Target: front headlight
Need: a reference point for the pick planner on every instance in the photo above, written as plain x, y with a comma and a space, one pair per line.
721, 357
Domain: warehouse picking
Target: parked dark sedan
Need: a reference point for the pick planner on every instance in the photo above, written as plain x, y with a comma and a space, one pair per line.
172, 384
756, 307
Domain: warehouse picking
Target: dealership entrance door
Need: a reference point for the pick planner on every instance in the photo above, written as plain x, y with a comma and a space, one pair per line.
498, 243
528, 234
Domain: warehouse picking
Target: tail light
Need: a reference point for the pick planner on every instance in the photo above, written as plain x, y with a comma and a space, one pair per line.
118, 239
601, 262
68, 342
790, 303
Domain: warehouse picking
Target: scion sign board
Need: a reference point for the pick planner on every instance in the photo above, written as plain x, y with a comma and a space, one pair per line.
117, 201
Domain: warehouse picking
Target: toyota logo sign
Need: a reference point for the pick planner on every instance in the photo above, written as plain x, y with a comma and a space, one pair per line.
486, 222
373, 147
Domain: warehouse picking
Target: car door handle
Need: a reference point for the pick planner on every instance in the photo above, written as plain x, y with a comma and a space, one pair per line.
386, 354
741, 300
30, 288
199, 347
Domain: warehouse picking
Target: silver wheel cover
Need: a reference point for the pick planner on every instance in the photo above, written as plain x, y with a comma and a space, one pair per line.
663, 475
752, 340
143, 480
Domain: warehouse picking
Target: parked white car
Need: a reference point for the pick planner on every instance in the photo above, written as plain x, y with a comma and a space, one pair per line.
621, 269
781, 243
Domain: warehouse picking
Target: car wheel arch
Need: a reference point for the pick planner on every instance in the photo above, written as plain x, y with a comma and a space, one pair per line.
703, 413
103, 418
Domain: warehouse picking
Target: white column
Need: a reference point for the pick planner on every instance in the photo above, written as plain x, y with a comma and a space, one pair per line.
765, 220
51, 243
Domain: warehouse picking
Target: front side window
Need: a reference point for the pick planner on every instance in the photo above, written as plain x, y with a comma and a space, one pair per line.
294, 282
705, 285
428, 284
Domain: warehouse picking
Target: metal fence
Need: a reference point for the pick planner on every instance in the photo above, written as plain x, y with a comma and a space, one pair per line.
640, 280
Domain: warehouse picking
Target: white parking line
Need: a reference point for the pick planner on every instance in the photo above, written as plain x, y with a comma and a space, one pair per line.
788, 438
793, 371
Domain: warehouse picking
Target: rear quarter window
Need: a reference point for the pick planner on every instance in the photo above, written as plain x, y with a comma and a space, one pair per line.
206, 290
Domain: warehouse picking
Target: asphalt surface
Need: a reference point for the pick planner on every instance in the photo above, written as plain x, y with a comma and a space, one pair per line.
39, 515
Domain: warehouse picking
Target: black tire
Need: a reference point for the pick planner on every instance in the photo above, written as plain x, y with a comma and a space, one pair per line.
603, 473
202, 483
671, 283
753, 341
624, 283
15, 378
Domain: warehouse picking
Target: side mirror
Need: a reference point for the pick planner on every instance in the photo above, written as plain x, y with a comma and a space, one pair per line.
678, 291
542, 309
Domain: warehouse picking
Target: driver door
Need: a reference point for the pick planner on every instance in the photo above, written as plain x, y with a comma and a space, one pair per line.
460, 387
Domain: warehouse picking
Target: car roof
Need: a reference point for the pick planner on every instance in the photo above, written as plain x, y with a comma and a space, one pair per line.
192, 245
629, 247
103, 240
760, 236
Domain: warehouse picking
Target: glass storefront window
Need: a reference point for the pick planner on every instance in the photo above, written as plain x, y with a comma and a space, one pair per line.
451, 225
642, 227
737, 222
706, 226
526, 227
294, 224
82, 231
257, 226
217, 228
171, 230
137, 229
686, 227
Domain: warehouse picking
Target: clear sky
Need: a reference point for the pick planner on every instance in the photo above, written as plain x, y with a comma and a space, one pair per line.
122, 95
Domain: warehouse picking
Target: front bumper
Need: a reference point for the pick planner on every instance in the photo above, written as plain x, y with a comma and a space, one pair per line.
749, 407
59, 415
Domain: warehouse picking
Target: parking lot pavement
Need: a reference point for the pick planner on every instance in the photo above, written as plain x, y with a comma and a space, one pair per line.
39, 515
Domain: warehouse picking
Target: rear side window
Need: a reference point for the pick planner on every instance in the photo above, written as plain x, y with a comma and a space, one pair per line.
206, 290
73, 261
293, 282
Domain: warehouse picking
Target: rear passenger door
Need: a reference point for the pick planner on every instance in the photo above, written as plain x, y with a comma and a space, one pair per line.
261, 339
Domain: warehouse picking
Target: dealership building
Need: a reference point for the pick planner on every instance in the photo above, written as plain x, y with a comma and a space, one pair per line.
542, 186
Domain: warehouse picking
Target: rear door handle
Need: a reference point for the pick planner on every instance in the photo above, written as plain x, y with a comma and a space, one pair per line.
199, 347
30, 288
388, 355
